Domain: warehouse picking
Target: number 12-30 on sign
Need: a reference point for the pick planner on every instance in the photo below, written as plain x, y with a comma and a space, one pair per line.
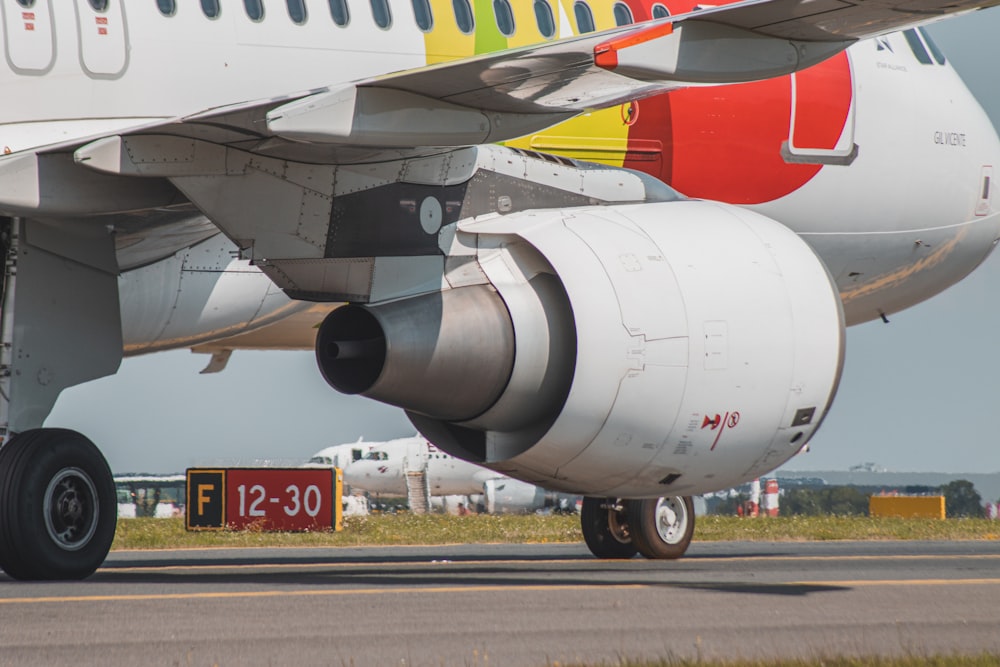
279, 499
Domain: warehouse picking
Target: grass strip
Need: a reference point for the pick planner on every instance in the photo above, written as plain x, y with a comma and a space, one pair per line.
436, 529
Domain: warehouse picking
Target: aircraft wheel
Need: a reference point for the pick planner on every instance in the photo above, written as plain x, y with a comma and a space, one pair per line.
661, 527
605, 528
58, 507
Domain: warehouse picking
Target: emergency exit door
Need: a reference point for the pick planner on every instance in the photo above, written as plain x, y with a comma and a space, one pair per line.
28, 35
103, 37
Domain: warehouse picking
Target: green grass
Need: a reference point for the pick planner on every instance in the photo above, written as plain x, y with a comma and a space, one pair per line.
375, 530
435, 529
818, 528
979, 660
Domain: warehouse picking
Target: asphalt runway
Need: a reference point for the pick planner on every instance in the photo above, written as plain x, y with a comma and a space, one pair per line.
500, 605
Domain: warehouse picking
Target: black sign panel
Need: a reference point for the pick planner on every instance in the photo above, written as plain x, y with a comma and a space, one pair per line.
206, 499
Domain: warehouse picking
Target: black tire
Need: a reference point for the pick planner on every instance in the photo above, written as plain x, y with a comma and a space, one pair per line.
58, 507
662, 528
605, 530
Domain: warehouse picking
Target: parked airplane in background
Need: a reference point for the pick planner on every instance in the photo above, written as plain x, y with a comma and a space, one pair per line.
384, 468
415, 468
340, 456
580, 325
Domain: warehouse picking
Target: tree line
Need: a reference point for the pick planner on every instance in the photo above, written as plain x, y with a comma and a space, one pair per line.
960, 498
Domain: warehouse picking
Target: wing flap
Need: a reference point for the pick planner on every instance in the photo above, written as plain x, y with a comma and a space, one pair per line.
373, 116
51, 184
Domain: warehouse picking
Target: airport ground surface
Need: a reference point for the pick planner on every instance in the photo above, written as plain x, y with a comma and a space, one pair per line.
502, 605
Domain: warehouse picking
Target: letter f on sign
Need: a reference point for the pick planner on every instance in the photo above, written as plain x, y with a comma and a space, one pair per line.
203, 497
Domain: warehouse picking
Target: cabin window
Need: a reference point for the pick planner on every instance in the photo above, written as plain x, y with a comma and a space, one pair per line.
381, 13
463, 16
623, 15
917, 47
297, 11
584, 17
935, 51
255, 9
210, 8
660, 11
504, 17
339, 12
166, 7
543, 17
99, 5
422, 14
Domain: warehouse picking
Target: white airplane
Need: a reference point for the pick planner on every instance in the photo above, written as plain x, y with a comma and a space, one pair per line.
222, 175
339, 456
383, 469
390, 468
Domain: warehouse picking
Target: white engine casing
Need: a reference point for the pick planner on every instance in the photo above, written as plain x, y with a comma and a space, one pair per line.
709, 345
642, 350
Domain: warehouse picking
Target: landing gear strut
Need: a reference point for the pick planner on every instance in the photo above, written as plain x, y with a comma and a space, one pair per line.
58, 508
60, 325
659, 528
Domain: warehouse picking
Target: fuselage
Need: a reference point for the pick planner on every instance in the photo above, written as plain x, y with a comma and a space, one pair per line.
879, 157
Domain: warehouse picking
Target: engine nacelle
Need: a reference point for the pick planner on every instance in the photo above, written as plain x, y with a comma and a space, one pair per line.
655, 349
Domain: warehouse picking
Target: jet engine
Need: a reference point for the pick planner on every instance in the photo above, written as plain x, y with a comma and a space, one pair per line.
632, 351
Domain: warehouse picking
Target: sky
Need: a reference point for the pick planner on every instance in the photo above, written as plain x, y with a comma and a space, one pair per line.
920, 394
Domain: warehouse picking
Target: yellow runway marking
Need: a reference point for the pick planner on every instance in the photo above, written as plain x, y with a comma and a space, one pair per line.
555, 561
142, 597
232, 595
874, 557
857, 583
382, 567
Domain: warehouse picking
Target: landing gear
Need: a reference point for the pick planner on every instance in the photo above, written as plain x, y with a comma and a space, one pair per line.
658, 528
662, 527
605, 528
60, 325
58, 508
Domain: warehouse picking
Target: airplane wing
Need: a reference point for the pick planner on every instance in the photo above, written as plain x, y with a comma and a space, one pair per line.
484, 99
501, 96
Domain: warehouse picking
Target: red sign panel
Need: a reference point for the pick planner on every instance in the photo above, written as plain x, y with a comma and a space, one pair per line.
279, 499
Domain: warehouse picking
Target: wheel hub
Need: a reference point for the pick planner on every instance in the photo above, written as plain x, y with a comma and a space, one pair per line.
71, 509
618, 525
671, 519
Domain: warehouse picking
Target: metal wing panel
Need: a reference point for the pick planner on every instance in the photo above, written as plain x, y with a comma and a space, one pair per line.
834, 20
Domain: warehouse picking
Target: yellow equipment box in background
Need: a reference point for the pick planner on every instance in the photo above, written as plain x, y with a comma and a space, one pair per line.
907, 507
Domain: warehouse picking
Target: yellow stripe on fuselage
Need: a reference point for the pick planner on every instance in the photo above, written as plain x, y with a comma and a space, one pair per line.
599, 136
444, 41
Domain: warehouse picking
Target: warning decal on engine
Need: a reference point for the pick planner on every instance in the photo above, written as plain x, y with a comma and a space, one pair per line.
720, 423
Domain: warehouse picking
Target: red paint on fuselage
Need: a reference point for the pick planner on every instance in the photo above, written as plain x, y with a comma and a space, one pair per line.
725, 142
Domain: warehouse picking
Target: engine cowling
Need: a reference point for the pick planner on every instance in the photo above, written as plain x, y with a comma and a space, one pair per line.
655, 349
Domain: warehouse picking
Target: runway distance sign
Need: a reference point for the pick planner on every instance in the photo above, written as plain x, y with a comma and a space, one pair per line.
267, 499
